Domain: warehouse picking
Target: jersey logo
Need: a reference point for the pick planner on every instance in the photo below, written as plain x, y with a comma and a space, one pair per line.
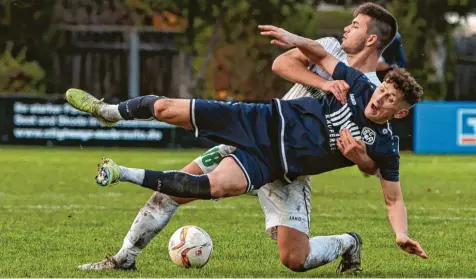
339, 120
368, 136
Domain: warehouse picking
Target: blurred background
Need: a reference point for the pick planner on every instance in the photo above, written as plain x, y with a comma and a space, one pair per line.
118, 49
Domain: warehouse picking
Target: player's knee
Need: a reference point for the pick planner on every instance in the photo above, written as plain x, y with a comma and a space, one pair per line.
173, 111
161, 109
293, 259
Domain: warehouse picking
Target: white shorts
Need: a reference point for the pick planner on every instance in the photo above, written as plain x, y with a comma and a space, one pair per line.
287, 205
283, 204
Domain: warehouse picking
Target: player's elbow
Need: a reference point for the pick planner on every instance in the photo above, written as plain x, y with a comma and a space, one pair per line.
278, 66
286, 62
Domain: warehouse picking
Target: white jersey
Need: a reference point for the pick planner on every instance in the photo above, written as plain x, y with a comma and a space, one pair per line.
332, 46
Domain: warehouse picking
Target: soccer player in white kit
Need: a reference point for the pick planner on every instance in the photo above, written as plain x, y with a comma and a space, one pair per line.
364, 40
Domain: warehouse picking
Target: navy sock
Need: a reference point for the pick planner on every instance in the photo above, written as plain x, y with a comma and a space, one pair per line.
178, 184
138, 108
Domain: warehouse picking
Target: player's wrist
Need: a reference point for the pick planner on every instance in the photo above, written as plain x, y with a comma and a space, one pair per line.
401, 235
366, 162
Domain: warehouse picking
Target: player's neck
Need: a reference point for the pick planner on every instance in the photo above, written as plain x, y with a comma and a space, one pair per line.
364, 61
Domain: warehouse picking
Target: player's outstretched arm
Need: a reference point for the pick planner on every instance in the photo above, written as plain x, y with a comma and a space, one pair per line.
310, 48
293, 66
397, 215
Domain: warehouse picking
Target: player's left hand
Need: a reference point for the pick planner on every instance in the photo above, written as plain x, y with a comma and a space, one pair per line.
282, 38
337, 87
410, 246
352, 149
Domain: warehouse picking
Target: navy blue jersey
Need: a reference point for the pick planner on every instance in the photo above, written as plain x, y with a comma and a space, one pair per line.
309, 128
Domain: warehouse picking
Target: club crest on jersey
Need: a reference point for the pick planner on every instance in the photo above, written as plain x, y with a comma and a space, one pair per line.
368, 136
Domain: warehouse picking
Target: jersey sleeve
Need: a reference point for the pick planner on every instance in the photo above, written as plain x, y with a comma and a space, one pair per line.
331, 45
344, 72
389, 162
389, 167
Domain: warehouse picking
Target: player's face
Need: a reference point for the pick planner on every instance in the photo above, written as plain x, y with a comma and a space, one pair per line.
386, 103
355, 34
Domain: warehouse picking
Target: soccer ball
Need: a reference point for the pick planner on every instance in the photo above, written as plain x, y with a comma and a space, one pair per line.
190, 246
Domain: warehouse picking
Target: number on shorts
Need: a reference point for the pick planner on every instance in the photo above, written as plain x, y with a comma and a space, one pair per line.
211, 157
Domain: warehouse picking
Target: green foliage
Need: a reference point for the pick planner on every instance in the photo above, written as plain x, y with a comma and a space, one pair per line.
421, 24
26, 41
248, 55
19, 75
232, 25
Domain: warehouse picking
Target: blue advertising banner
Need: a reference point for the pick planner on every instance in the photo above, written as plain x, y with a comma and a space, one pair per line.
445, 128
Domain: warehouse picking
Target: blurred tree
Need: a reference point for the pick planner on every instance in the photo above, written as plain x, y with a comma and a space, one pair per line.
19, 75
26, 23
228, 51
428, 38
221, 35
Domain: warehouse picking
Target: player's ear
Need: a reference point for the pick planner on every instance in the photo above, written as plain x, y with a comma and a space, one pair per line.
372, 39
401, 113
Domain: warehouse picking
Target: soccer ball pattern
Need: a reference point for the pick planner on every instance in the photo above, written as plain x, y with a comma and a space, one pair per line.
190, 247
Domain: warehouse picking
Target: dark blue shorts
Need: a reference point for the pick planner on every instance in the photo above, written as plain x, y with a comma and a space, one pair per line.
252, 128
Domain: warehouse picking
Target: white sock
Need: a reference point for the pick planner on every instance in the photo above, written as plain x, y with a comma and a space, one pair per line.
110, 112
135, 176
150, 220
325, 249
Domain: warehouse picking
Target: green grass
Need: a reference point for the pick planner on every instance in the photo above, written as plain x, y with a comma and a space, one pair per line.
54, 217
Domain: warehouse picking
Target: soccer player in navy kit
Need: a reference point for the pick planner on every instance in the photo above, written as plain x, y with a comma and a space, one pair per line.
286, 206
302, 134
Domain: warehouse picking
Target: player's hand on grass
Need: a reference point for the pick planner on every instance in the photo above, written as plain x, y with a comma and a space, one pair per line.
281, 37
410, 246
337, 87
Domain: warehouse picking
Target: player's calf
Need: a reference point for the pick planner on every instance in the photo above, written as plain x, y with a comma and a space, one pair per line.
138, 108
293, 247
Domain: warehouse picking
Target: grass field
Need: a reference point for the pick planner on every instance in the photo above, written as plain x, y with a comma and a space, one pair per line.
54, 217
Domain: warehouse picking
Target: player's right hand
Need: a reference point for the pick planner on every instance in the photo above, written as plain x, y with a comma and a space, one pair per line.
410, 246
337, 87
280, 37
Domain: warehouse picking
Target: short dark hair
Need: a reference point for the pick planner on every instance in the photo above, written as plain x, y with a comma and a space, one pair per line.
384, 24
406, 83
